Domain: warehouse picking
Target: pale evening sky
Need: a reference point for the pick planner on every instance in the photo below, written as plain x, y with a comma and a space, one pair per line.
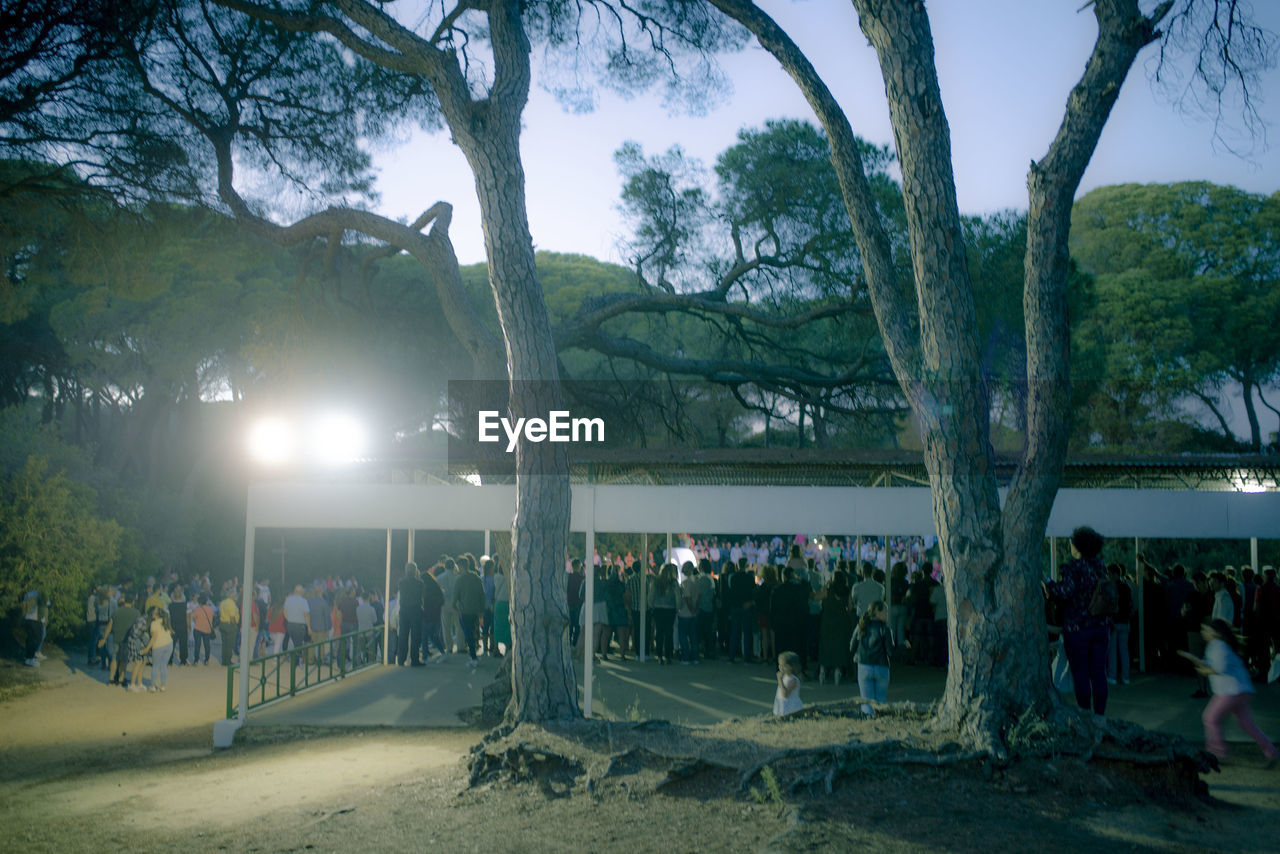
1005, 68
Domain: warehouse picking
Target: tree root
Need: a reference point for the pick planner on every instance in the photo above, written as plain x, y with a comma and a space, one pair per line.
657, 757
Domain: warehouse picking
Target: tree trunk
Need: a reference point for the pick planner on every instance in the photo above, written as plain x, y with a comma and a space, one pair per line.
990, 560
1247, 385
544, 686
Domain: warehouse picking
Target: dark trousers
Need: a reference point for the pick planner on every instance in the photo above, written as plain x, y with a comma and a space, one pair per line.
470, 624
688, 628
432, 635
789, 636
940, 643
35, 634
1087, 655
664, 621
181, 634
229, 631
410, 635
741, 621
295, 635
707, 633
202, 640
635, 633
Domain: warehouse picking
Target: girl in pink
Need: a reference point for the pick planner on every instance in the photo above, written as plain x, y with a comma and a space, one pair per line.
1229, 681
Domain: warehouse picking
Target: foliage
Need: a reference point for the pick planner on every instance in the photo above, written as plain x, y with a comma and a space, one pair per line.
52, 539
1188, 282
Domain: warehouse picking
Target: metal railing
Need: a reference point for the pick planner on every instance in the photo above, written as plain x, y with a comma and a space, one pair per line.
284, 674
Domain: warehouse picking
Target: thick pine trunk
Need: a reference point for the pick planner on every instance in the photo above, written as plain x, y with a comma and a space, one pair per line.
543, 683
544, 686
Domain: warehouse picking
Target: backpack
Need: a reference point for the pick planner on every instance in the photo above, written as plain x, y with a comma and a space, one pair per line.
1106, 598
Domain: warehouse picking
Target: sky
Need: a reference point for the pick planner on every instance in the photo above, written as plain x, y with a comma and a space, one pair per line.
1005, 68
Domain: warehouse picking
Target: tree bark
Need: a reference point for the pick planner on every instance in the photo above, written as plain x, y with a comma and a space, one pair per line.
544, 686
991, 561
487, 130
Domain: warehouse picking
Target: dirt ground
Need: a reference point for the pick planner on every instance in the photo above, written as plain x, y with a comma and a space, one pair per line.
85, 767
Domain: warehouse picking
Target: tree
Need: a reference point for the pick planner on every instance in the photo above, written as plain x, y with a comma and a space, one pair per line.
990, 554
1188, 279
291, 89
52, 539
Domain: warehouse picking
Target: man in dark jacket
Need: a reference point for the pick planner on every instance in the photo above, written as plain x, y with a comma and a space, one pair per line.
469, 601
789, 612
410, 640
432, 605
742, 612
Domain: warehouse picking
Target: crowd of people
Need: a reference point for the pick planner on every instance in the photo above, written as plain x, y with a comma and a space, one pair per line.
1193, 621
838, 608
169, 623
456, 605
824, 611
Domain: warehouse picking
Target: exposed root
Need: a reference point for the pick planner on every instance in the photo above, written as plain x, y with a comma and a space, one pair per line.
656, 757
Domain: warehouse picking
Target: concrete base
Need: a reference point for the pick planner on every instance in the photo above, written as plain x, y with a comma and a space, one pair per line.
224, 731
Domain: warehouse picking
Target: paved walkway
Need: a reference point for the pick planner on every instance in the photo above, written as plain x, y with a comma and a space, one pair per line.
705, 693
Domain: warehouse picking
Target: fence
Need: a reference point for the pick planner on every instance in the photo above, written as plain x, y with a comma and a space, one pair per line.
284, 674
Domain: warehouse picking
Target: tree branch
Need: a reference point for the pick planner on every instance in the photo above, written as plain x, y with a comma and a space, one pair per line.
873, 242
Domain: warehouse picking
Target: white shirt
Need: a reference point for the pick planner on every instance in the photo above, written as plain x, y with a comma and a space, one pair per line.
296, 609
1223, 607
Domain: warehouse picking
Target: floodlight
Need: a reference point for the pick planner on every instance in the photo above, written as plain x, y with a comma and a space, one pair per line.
336, 438
272, 442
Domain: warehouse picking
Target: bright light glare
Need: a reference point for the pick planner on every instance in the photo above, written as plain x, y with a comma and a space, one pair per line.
337, 439
272, 442
1241, 482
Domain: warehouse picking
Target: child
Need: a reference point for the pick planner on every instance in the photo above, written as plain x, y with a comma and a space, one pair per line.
787, 700
871, 644
1229, 681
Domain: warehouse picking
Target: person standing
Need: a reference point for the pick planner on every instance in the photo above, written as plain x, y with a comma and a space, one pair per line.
410, 594
706, 609
106, 608
468, 602
789, 613
502, 612
297, 617
31, 623
448, 615
202, 628
160, 645
321, 624
577, 580
432, 609
866, 591
179, 622
871, 645
1118, 654
742, 612
787, 698
1084, 634
687, 614
228, 628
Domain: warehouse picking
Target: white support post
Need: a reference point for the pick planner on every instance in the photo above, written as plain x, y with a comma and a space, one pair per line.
224, 731
644, 591
1053, 558
588, 611
410, 557
1253, 554
487, 550
386, 606
1142, 608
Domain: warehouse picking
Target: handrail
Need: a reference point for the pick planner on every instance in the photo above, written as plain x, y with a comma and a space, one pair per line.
307, 666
